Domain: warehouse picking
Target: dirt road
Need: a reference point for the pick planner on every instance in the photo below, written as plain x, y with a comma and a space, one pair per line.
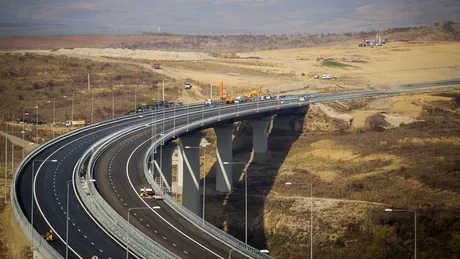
28, 146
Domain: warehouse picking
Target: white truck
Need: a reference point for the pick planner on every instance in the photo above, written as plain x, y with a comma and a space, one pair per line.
75, 123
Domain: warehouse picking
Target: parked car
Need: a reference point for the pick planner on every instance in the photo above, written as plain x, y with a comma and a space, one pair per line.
326, 76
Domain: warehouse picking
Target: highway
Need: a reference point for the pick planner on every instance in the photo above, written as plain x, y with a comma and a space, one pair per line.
50, 181
50, 188
120, 166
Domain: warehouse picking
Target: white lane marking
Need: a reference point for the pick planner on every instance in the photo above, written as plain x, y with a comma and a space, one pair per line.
156, 213
35, 190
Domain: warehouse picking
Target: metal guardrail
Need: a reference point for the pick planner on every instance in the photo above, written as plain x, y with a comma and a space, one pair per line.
140, 243
44, 248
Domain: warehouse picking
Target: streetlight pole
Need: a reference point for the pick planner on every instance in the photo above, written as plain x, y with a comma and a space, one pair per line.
311, 214
36, 125
73, 99
6, 158
202, 116
32, 200
92, 107
415, 226
135, 98
23, 129
129, 210
113, 103
174, 120
245, 198
187, 116
54, 115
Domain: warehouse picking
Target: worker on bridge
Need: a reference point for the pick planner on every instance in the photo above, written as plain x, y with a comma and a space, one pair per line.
49, 236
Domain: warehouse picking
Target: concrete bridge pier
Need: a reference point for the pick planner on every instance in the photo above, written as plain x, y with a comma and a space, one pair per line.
163, 163
224, 178
151, 165
260, 134
190, 171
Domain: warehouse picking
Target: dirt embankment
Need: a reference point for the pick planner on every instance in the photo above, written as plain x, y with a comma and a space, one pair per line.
355, 173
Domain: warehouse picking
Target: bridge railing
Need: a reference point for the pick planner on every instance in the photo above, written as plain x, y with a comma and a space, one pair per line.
43, 247
138, 242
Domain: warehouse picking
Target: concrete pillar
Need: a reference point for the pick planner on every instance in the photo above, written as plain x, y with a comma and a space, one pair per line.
191, 171
151, 166
224, 177
163, 163
259, 134
180, 169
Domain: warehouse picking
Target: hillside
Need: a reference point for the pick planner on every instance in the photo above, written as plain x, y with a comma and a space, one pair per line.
445, 31
356, 172
442, 31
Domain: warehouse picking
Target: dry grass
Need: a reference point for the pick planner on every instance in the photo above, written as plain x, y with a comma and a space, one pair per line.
355, 175
13, 243
28, 78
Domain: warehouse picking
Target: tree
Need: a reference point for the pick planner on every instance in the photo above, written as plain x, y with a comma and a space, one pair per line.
385, 244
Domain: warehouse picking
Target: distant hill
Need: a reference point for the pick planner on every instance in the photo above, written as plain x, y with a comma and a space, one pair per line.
440, 31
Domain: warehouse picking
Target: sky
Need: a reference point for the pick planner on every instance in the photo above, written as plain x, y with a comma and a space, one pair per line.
32, 17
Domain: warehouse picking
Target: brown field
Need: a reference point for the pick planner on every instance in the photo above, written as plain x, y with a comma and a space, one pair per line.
280, 70
69, 41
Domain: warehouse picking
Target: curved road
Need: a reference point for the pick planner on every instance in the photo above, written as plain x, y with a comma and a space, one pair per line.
86, 239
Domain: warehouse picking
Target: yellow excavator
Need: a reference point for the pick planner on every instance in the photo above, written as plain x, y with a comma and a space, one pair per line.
254, 95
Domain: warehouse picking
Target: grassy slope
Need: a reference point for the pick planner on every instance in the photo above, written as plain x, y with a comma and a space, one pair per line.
26, 79
355, 175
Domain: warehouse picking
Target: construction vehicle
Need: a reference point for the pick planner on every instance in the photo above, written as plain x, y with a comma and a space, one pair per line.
49, 236
146, 192
254, 95
228, 99
224, 97
75, 123
156, 65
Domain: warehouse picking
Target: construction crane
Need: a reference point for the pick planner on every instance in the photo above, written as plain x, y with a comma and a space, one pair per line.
224, 96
